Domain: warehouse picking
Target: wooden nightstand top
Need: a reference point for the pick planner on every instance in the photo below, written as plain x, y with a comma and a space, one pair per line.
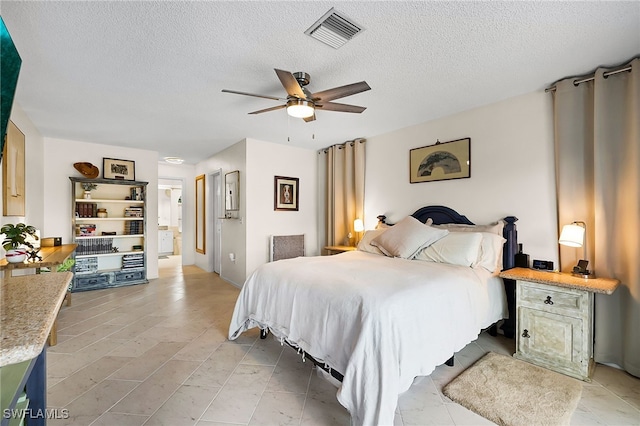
339, 248
561, 279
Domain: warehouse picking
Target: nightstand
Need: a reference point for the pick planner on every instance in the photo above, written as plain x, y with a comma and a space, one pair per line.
338, 249
554, 319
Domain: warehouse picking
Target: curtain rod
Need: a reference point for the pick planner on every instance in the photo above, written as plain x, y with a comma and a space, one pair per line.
592, 77
341, 145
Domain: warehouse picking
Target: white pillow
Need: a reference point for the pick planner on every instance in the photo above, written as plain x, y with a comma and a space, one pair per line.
494, 228
490, 257
365, 242
407, 237
457, 248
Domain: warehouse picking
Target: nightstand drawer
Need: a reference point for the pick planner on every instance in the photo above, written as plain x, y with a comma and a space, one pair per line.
550, 298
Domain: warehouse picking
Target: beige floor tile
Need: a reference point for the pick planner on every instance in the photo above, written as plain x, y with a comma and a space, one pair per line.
61, 394
619, 382
134, 348
264, 352
291, 374
153, 392
203, 346
464, 417
85, 339
233, 406
143, 366
184, 407
93, 403
277, 408
133, 330
117, 419
217, 369
608, 407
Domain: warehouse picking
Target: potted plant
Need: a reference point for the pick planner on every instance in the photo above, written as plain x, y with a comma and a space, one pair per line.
15, 240
88, 187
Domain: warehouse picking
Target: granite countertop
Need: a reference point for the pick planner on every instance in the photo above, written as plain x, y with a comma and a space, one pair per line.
561, 279
29, 305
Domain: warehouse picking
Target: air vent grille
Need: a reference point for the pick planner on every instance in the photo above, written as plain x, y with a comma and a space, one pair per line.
334, 29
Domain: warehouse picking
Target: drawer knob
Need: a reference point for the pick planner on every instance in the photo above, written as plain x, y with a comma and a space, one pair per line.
548, 301
525, 334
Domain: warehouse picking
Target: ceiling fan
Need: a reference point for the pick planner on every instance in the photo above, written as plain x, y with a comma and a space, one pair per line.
301, 103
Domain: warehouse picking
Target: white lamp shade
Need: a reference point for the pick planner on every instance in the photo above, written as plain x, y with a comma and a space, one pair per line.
358, 225
572, 235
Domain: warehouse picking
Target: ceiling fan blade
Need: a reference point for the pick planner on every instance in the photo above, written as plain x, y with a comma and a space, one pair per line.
312, 118
268, 109
290, 84
334, 106
252, 94
341, 92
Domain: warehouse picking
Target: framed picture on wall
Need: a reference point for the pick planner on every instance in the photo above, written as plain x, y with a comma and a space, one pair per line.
118, 169
13, 173
441, 161
285, 193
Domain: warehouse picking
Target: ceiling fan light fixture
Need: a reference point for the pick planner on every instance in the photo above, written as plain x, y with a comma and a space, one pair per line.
173, 160
299, 108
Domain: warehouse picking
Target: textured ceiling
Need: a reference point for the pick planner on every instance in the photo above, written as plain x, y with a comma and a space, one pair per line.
149, 74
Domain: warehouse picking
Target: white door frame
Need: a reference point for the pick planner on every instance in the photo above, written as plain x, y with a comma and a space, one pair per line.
215, 238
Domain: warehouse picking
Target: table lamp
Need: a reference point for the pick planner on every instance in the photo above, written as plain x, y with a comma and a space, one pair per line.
575, 235
358, 227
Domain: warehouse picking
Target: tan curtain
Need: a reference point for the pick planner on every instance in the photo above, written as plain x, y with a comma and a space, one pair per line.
597, 138
342, 167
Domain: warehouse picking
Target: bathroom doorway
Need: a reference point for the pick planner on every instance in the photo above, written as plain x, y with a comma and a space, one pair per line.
169, 223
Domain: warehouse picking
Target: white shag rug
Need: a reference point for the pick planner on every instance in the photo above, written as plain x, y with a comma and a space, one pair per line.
510, 392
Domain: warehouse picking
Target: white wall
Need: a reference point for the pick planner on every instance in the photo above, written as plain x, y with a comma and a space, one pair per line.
187, 174
61, 154
265, 161
512, 170
233, 230
248, 236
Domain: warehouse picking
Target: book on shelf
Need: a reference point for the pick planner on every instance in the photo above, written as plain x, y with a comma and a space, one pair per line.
134, 211
133, 227
95, 246
85, 230
86, 265
86, 209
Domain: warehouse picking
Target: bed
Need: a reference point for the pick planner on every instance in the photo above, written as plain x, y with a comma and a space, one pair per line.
379, 321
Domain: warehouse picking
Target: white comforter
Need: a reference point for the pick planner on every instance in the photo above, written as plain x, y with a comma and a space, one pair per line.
380, 321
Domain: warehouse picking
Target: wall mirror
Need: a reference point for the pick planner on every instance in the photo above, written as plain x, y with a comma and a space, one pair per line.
200, 214
232, 191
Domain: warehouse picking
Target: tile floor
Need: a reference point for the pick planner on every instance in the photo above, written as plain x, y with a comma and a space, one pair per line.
157, 354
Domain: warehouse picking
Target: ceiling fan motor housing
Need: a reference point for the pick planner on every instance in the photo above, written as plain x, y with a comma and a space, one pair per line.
302, 77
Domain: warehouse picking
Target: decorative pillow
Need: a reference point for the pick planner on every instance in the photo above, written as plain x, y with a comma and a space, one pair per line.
491, 252
365, 242
457, 248
494, 228
407, 237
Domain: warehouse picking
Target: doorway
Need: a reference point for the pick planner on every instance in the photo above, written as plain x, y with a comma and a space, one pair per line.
169, 223
215, 242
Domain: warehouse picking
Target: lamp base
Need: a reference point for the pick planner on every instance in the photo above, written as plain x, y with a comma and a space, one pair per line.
584, 274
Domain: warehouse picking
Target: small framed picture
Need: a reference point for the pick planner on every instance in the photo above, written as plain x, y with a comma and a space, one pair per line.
118, 169
442, 161
285, 193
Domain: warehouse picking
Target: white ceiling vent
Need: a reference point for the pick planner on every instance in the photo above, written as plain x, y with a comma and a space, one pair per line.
334, 29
